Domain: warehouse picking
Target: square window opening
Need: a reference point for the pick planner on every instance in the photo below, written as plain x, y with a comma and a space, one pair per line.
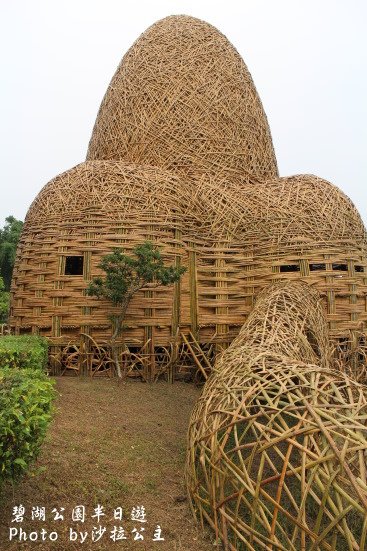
74, 265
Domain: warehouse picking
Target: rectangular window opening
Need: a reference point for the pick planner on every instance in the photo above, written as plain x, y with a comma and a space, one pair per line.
74, 265
340, 267
359, 269
317, 267
290, 268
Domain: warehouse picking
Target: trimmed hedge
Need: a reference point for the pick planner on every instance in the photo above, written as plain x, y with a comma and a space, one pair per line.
26, 397
24, 352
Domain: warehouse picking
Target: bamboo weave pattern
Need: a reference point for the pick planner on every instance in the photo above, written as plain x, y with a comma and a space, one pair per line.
182, 98
278, 440
181, 154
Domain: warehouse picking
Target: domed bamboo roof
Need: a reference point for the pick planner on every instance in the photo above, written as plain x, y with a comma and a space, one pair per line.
302, 209
182, 97
110, 186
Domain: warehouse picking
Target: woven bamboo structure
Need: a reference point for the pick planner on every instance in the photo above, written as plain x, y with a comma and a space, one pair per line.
233, 245
296, 228
182, 98
181, 153
278, 440
83, 214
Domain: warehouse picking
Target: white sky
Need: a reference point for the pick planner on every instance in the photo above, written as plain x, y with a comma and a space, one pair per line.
308, 59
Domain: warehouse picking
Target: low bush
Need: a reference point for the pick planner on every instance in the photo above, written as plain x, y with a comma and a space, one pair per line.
27, 351
26, 397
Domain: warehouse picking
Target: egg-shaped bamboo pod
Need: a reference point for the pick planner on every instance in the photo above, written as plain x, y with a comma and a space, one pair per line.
182, 98
78, 217
278, 440
299, 227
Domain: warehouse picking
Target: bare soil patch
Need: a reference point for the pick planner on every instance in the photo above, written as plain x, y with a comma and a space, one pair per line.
114, 446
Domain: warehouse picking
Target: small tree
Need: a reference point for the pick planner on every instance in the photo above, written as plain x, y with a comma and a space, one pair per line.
125, 276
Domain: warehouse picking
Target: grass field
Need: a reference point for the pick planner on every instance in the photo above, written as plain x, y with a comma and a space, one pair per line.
114, 446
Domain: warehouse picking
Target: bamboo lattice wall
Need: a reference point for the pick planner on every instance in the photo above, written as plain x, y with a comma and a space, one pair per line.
233, 242
300, 227
86, 212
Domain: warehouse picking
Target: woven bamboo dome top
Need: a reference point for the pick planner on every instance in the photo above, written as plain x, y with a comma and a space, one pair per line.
182, 97
281, 212
108, 186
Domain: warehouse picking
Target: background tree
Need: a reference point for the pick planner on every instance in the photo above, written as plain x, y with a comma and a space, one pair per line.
9, 237
125, 276
4, 302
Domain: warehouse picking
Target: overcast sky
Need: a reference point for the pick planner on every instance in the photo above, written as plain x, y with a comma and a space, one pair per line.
308, 59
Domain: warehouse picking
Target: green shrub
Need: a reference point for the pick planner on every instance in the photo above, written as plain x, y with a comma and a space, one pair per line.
27, 351
26, 397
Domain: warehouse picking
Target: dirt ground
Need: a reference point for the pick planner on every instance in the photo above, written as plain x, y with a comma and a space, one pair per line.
110, 446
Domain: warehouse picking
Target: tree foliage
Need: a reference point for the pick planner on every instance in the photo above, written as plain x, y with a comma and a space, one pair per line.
125, 276
4, 302
9, 237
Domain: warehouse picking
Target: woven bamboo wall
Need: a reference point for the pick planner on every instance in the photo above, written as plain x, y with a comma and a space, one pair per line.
87, 211
183, 98
301, 227
233, 237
